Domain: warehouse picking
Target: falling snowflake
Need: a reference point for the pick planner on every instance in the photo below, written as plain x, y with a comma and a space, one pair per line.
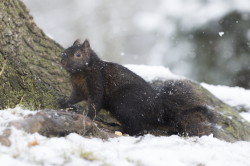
221, 33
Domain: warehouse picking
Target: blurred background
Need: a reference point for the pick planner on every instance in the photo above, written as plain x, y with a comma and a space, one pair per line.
205, 40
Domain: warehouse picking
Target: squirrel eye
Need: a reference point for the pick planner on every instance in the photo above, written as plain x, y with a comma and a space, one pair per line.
78, 55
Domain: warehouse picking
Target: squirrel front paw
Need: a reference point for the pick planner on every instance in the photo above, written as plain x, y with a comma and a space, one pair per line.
63, 103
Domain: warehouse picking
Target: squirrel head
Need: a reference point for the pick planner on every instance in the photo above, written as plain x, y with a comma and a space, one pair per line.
77, 57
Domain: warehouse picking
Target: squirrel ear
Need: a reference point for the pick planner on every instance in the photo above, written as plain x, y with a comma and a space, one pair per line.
77, 42
86, 44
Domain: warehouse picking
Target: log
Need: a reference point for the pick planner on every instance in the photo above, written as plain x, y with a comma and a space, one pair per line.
53, 123
60, 123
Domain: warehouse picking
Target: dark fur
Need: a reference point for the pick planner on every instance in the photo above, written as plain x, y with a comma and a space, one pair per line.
186, 107
113, 87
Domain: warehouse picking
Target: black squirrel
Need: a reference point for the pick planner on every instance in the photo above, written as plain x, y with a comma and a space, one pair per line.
112, 87
139, 106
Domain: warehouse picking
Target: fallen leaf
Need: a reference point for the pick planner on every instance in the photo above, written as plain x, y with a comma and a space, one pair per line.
118, 133
33, 143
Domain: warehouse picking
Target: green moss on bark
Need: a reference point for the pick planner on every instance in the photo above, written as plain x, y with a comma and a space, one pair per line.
32, 75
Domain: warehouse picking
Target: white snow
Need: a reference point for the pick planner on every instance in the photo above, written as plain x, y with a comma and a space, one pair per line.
221, 34
74, 150
150, 73
246, 115
233, 96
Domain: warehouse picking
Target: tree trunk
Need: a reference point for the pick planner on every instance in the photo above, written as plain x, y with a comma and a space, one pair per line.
30, 73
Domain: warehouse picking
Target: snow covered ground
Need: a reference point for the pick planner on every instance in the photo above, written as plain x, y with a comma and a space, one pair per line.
37, 150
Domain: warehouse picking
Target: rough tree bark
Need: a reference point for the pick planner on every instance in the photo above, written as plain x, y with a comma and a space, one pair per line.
30, 74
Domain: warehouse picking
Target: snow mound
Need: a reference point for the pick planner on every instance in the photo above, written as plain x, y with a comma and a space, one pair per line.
233, 96
150, 73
